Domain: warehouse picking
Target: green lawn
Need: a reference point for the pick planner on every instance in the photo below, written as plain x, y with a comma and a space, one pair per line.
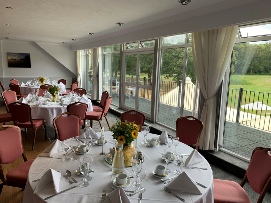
256, 88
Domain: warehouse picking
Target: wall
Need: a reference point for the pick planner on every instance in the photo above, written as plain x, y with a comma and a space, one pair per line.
52, 61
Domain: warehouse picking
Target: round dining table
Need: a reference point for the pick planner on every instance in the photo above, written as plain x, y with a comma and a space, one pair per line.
28, 89
101, 182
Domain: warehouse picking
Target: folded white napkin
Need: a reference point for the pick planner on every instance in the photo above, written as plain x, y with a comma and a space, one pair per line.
22, 100
62, 87
53, 150
29, 97
86, 100
23, 85
194, 158
163, 138
48, 81
93, 134
49, 176
184, 183
116, 196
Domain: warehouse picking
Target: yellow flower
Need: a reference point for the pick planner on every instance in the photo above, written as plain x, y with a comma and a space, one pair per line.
112, 126
121, 139
134, 134
136, 126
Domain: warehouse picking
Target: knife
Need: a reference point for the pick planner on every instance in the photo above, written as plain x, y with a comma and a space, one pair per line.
169, 191
201, 185
59, 192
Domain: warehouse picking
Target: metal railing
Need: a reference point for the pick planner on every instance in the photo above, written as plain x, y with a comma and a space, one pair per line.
250, 108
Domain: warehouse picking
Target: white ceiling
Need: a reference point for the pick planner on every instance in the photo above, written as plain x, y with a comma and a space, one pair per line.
57, 21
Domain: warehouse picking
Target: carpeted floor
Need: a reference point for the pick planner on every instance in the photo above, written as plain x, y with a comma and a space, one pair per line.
15, 195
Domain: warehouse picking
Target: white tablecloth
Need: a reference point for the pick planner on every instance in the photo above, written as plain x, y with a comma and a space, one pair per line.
101, 180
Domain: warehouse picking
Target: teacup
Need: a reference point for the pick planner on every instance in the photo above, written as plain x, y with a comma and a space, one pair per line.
82, 149
153, 142
169, 155
160, 170
121, 179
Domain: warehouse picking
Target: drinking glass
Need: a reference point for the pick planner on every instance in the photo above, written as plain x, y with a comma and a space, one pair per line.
136, 168
74, 143
145, 131
65, 145
85, 168
177, 162
142, 176
176, 143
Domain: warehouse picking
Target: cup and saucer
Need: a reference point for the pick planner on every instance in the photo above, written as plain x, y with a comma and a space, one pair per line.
82, 149
160, 172
121, 180
168, 155
153, 142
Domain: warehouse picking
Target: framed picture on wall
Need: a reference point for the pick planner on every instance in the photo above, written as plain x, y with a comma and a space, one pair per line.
18, 60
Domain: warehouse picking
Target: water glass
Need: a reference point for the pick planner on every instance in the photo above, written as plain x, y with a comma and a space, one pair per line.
145, 131
136, 168
85, 168
176, 143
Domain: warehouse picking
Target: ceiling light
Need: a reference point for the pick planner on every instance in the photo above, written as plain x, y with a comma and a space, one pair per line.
91, 33
120, 24
7, 24
184, 2
8, 7
64, 42
73, 39
6, 37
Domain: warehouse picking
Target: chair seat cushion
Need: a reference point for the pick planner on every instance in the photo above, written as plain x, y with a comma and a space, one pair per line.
226, 191
5, 117
93, 115
97, 109
19, 174
36, 123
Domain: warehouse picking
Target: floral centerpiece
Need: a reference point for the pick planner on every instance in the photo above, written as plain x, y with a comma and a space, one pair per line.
125, 133
53, 90
41, 80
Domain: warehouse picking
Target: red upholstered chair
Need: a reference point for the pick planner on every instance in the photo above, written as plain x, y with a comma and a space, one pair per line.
74, 85
101, 105
43, 88
16, 88
80, 91
5, 117
97, 116
133, 116
10, 150
14, 81
62, 80
188, 129
67, 126
21, 115
258, 175
9, 96
78, 109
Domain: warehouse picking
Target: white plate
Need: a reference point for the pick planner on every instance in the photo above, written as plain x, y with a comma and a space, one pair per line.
125, 185
160, 176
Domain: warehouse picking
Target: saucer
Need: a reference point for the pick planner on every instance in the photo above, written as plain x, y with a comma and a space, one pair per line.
171, 160
128, 183
160, 176
80, 153
99, 144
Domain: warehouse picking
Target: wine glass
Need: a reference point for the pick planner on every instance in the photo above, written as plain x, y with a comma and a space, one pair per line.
177, 162
65, 147
176, 143
136, 168
142, 176
145, 131
85, 168
74, 143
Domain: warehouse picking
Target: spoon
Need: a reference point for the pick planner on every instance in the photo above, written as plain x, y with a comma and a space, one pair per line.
69, 175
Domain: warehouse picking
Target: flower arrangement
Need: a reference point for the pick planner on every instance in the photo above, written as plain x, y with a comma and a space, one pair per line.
125, 132
41, 79
53, 90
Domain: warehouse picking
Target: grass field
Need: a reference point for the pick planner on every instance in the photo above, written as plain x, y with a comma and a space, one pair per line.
256, 88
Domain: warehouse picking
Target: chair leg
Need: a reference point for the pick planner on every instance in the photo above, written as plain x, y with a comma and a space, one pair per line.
100, 124
34, 139
25, 133
1, 187
107, 122
45, 131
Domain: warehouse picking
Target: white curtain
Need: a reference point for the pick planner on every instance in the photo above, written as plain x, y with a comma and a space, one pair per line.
95, 65
211, 53
78, 60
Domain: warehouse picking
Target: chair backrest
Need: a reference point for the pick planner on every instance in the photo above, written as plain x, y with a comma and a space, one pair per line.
2, 86
9, 96
14, 81
133, 116
104, 96
259, 171
16, 88
10, 144
21, 113
78, 109
188, 129
107, 105
66, 126
80, 91
74, 85
61, 80
45, 86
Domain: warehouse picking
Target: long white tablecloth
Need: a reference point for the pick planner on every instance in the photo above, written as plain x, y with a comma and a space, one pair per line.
101, 181
28, 89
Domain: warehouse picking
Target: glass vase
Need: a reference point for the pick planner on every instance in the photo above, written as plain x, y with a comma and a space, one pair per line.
128, 153
118, 160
